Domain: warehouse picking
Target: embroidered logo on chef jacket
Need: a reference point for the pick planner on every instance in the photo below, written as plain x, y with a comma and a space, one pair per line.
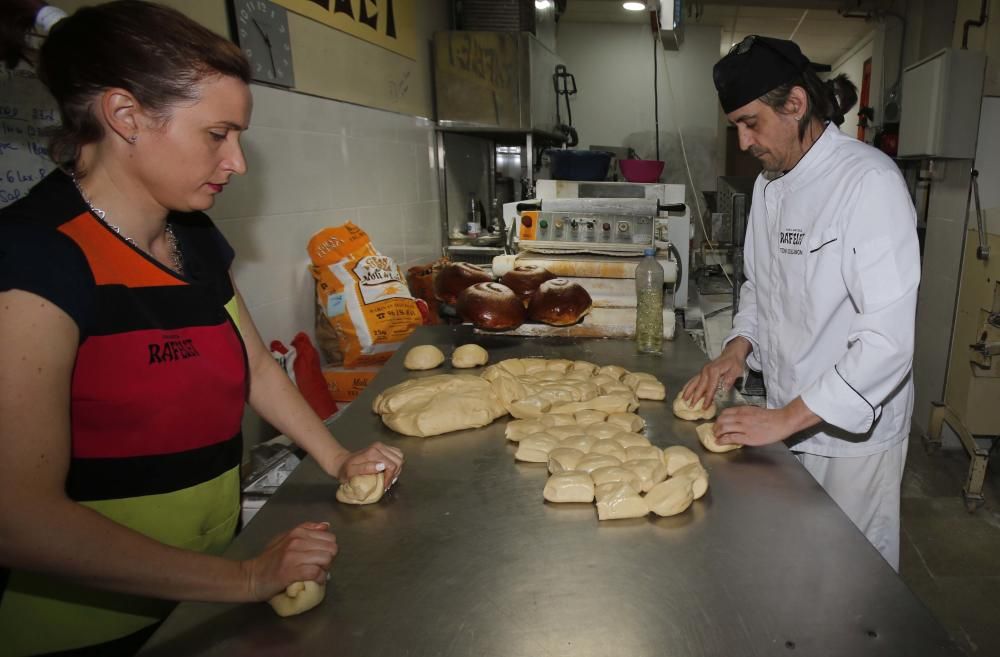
790, 241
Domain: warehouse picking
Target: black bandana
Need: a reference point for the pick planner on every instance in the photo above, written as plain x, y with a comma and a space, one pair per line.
755, 66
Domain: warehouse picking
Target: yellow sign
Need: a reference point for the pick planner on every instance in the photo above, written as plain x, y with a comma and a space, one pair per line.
386, 23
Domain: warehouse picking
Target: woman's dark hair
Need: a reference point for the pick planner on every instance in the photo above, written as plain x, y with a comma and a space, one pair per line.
826, 101
156, 53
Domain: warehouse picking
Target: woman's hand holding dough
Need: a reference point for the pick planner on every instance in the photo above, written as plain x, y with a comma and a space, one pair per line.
362, 489
297, 598
377, 457
303, 554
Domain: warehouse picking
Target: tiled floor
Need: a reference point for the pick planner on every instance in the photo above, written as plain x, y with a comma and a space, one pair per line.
950, 558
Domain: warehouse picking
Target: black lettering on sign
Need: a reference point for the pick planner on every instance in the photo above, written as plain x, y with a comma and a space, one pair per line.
325, 4
371, 20
390, 20
343, 7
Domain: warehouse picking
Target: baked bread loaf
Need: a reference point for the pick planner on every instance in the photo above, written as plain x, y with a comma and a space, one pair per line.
455, 277
559, 302
525, 279
491, 306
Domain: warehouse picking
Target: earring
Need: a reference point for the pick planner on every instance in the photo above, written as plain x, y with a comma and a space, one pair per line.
133, 139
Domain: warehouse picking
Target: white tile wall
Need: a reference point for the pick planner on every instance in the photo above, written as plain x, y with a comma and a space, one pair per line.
313, 163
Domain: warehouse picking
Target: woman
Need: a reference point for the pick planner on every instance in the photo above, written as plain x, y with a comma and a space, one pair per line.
128, 353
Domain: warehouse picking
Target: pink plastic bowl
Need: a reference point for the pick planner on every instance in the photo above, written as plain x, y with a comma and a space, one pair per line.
641, 171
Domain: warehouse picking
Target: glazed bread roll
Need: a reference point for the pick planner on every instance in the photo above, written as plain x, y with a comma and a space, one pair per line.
559, 302
490, 306
455, 277
525, 279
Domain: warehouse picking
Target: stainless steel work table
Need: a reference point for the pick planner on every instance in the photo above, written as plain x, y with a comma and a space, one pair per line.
464, 558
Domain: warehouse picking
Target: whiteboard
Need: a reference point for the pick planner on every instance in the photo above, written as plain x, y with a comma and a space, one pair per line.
27, 111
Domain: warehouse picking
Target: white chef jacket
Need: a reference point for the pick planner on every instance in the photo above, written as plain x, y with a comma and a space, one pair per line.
832, 267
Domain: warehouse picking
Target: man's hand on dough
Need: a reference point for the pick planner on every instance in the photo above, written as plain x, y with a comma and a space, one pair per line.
718, 375
375, 458
302, 554
752, 425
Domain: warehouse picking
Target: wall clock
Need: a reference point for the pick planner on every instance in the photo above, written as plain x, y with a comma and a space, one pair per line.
260, 28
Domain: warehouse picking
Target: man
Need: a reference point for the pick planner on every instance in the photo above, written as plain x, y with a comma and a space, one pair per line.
827, 310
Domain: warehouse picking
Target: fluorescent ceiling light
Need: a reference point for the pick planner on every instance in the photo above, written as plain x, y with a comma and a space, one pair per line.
634, 6
543, 4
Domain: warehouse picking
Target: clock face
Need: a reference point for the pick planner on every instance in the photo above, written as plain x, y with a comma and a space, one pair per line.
261, 29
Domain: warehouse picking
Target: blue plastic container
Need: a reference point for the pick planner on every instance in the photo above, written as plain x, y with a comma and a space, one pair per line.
578, 164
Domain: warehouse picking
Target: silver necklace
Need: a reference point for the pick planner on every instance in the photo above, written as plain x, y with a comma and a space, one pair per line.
176, 259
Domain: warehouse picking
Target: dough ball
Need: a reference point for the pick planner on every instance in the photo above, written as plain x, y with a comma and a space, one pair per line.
649, 471
676, 457
560, 365
644, 452
469, 355
615, 388
557, 419
587, 390
614, 371
670, 497
569, 487
698, 476
619, 501
686, 411
632, 379
362, 489
627, 421
589, 416
564, 458
297, 598
706, 434
616, 473
609, 447
616, 403
591, 462
549, 375
529, 407
653, 390
558, 394
535, 448
424, 357
569, 407
512, 366
584, 366
603, 380
602, 430
628, 439
565, 431
582, 443
518, 429
533, 365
